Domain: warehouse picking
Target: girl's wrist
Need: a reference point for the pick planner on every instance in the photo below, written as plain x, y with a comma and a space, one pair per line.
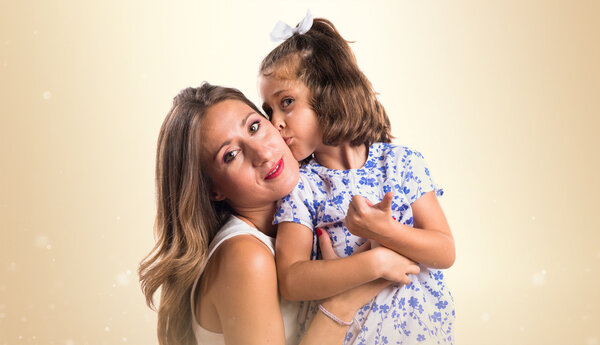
376, 262
386, 230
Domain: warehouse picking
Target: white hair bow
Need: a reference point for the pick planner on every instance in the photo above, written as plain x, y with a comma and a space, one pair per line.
282, 31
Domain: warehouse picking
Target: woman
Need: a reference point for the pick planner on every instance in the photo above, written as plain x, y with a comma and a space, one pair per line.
221, 166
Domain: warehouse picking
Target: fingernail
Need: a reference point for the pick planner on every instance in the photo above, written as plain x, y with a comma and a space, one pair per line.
319, 232
394, 217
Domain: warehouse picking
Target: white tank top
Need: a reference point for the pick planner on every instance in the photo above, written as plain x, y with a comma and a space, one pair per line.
289, 310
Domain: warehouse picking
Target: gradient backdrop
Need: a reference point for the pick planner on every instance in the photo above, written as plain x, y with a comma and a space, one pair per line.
502, 98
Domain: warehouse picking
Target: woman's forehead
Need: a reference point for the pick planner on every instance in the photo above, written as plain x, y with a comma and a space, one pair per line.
222, 122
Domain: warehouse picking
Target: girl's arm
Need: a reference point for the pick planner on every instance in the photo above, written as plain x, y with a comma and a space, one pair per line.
303, 279
429, 242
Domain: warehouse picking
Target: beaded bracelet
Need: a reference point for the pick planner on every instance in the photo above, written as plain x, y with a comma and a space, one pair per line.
333, 317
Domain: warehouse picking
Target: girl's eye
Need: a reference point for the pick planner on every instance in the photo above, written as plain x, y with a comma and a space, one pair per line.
286, 102
254, 126
229, 156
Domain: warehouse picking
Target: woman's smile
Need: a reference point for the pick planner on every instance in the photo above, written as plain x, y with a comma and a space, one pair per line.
276, 170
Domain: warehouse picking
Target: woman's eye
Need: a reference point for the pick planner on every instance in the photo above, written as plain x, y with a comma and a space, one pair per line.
229, 156
254, 126
286, 102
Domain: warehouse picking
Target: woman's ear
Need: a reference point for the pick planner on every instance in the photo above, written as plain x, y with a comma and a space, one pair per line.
216, 195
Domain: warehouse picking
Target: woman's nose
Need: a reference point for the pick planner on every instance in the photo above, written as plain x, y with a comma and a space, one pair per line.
262, 152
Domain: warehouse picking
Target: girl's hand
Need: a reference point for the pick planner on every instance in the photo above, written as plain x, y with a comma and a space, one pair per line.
389, 265
367, 220
394, 268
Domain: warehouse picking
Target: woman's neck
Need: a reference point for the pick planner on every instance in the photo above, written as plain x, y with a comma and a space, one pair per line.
342, 157
260, 218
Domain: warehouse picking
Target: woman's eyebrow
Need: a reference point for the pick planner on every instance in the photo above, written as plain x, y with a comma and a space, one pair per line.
246, 118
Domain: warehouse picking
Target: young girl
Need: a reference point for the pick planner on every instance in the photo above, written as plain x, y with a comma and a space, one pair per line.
355, 186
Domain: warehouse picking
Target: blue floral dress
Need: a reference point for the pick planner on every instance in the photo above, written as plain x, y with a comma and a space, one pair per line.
419, 313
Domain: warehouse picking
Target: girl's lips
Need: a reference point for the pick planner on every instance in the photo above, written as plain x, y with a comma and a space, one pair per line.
275, 171
287, 141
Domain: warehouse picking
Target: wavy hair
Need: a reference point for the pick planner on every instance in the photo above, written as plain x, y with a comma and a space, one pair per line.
186, 218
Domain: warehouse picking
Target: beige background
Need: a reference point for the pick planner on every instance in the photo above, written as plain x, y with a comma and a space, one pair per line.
502, 98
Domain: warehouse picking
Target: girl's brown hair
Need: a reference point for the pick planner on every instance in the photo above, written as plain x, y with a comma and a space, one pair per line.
341, 95
186, 217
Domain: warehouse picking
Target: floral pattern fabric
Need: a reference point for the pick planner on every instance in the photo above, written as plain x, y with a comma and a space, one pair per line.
419, 313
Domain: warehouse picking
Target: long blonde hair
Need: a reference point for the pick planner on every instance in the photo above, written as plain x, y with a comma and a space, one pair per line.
186, 218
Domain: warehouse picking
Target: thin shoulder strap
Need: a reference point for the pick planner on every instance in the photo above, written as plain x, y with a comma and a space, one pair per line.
235, 227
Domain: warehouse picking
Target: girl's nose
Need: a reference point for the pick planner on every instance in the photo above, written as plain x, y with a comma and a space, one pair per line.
278, 120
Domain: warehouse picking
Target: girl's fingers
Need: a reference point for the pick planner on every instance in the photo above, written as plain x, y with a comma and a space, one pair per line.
359, 202
325, 245
386, 203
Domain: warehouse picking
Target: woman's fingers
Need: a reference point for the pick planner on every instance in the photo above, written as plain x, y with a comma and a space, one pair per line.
363, 247
327, 248
413, 269
325, 245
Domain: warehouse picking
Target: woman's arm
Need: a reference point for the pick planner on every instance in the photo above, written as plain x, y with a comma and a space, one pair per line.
244, 293
303, 279
429, 242
324, 330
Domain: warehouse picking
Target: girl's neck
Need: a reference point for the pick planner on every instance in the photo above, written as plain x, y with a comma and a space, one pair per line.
260, 218
342, 157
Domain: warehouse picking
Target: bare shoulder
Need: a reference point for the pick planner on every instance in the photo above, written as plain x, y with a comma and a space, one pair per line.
239, 261
244, 292
242, 260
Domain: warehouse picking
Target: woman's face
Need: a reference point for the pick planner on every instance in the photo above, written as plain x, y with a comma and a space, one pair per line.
248, 162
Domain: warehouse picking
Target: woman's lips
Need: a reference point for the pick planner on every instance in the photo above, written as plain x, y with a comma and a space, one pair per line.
275, 171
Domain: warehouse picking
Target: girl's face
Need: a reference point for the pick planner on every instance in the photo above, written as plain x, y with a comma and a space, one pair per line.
288, 105
248, 163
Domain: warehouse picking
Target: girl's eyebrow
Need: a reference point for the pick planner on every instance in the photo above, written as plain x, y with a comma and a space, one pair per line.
280, 91
227, 142
265, 105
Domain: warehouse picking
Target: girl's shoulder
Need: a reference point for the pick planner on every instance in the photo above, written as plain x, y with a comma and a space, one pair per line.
393, 151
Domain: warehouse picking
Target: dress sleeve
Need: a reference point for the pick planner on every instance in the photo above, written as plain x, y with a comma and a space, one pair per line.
416, 177
298, 206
